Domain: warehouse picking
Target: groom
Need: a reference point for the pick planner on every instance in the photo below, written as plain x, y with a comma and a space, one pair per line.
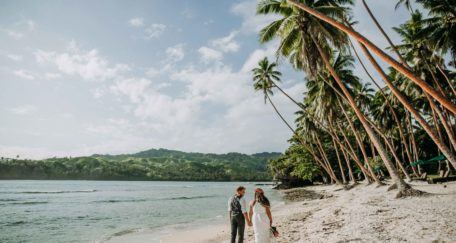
237, 208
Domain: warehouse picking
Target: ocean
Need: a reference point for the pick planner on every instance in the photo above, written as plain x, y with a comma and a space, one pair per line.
94, 211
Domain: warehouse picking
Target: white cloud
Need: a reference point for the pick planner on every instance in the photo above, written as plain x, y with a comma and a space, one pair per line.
30, 24
14, 57
98, 93
23, 110
188, 13
87, 64
208, 55
208, 22
257, 55
175, 53
227, 43
52, 76
24, 74
252, 23
14, 34
136, 22
134, 89
154, 31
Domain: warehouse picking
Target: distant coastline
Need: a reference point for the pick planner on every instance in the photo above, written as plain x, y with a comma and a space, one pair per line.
149, 165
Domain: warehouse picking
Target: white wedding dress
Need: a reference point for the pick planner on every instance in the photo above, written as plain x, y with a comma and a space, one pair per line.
261, 227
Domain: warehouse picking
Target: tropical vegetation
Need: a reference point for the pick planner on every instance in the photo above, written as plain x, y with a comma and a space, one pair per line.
348, 128
153, 164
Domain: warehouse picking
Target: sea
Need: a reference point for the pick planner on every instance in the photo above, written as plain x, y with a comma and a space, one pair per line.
95, 211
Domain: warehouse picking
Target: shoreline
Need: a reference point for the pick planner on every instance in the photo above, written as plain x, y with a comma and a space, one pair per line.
323, 213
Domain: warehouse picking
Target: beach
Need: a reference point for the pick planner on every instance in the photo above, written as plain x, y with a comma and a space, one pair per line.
365, 213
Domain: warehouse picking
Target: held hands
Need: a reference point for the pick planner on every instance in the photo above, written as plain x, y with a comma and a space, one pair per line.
249, 223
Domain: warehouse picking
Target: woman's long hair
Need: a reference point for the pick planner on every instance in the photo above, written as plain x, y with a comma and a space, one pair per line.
261, 198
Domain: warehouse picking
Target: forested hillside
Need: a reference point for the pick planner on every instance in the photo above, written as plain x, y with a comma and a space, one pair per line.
153, 164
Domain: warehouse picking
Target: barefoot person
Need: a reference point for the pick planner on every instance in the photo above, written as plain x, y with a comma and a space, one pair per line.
260, 214
237, 208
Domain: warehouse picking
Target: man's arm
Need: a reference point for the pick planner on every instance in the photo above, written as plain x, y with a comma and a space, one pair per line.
229, 210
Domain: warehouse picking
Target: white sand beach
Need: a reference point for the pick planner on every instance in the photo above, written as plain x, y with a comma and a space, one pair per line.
330, 214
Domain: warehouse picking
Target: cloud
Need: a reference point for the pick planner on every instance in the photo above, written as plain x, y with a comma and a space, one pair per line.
258, 54
23, 110
208, 55
87, 64
188, 13
218, 46
154, 31
15, 34
133, 88
30, 24
24, 74
175, 53
14, 57
98, 93
52, 76
252, 23
227, 43
136, 22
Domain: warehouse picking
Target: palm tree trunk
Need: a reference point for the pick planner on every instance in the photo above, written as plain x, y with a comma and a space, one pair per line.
384, 33
392, 150
353, 155
350, 171
447, 79
447, 128
440, 144
294, 132
396, 65
344, 180
319, 161
360, 144
325, 157
401, 185
388, 103
284, 93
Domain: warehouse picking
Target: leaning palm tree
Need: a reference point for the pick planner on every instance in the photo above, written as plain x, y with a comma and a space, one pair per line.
322, 36
310, 8
264, 78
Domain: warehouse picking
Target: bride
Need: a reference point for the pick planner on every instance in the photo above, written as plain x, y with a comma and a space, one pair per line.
260, 214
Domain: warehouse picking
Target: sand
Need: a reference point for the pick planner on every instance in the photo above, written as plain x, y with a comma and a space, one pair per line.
364, 213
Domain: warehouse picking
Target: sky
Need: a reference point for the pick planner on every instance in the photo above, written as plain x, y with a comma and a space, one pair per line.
85, 77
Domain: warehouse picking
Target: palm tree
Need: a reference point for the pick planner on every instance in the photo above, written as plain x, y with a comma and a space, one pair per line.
310, 28
441, 27
327, 18
406, 3
263, 78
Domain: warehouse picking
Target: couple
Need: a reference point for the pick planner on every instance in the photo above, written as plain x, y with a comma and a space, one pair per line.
259, 216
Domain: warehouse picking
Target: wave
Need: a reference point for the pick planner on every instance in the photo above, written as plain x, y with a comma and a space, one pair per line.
50, 192
15, 223
188, 198
28, 203
120, 200
8, 200
124, 232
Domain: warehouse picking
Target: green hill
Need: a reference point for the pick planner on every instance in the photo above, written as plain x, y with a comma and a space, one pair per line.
153, 164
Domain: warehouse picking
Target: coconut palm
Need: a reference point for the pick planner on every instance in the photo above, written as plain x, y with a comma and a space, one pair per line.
263, 77
406, 3
441, 29
309, 8
317, 31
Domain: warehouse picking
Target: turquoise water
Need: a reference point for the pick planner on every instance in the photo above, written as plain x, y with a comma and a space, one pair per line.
88, 211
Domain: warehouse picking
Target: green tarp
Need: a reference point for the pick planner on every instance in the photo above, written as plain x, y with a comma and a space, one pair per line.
429, 161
